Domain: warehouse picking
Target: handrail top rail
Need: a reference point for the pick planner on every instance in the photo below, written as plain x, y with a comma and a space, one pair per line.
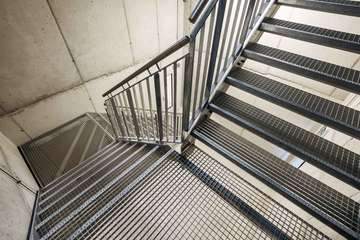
173, 48
198, 9
153, 74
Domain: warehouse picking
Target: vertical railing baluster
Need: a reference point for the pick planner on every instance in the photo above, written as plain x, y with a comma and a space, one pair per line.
174, 100
189, 66
207, 59
123, 115
166, 105
128, 113
158, 105
223, 41
240, 29
144, 111
198, 69
215, 46
150, 107
237, 16
199, 77
111, 119
133, 113
117, 117
254, 15
247, 22
137, 111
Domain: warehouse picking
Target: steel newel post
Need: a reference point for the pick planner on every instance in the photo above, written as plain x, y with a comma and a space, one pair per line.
158, 104
215, 46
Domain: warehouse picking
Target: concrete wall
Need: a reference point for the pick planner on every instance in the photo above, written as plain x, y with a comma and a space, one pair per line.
17, 192
56, 63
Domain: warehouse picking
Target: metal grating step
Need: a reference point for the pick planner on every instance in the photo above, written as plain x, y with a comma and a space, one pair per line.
263, 211
189, 198
77, 171
83, 175
324, 154
331, 38
324, 111
136, 165
62, 209
330, 206
56, 152
91, 180
345, 7
328, 73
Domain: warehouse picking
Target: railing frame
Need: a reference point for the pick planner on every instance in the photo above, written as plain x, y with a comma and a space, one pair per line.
253, 13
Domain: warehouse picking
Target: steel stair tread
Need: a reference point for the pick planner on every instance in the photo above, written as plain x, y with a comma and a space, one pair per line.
188, 188
335, 75
62, 177
237, 191
351, 8
319, 109
328, 205
331, 38
135, 165
320, 152
86, 182
76, 172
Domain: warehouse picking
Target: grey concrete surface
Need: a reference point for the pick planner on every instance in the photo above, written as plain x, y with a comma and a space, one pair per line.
17, 192
42, 87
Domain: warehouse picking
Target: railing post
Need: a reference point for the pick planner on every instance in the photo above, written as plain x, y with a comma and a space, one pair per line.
215, 46
188, 76
158, 105
117, 117
133, 113
247, 21
111, 121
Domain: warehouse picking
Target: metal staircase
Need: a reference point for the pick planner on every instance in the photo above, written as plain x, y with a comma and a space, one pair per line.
140, 187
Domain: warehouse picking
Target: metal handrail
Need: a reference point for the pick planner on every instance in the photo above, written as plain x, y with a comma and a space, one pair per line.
152, 74
198, 9
176, 46
173, 48
201, 21
210, 55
